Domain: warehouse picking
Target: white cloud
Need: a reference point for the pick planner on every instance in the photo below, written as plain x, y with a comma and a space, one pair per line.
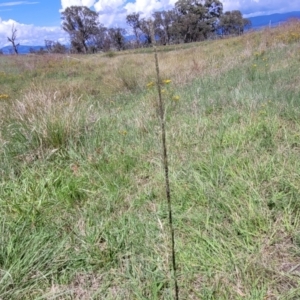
113, 12
30, 34
68, 3
17, 3
109, 5
145, 7
231, 5
261, 7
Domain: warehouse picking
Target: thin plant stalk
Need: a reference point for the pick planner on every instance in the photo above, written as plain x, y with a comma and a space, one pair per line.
161, 108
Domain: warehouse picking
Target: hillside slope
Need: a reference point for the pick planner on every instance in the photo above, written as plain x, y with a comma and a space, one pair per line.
273, 19
82, 199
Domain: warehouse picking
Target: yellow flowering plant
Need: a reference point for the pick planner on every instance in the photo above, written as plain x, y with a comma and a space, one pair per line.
166, 91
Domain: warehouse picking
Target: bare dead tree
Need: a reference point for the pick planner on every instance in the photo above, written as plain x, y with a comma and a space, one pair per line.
12, 39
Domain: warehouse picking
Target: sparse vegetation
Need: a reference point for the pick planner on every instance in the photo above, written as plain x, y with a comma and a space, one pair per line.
82, 207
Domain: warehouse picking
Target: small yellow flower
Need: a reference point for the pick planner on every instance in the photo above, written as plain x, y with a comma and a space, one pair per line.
163, 91
123, 132
166, 81
150, 84
176, 98
254, 66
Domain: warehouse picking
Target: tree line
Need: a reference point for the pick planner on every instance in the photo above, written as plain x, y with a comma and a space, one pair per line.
189, 21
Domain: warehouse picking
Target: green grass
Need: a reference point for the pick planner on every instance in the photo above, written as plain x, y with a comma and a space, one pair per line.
83, 213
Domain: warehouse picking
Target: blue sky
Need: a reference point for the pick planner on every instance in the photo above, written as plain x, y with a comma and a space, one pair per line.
39, 13
37, 20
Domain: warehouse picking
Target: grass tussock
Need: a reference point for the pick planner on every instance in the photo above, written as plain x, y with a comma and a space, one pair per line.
82, 210
46, 121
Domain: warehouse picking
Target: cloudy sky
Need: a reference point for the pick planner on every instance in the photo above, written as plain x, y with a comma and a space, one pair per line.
38, 20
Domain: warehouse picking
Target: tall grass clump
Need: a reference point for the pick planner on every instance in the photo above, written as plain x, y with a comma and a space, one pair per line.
43, 121
132, 79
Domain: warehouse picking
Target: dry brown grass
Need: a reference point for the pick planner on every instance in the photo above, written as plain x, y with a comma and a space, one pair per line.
99, 75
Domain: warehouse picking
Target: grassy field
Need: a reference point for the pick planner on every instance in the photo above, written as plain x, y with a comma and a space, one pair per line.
83, 213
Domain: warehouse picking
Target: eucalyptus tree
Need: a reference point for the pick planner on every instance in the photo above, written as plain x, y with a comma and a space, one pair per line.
163, 21
133, 20
117, 37
55, 47
232, 22
197, 19
82, 24
146, 29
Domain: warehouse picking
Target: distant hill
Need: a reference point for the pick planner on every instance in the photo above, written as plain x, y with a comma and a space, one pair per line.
257, 23
273, 20
22, 49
